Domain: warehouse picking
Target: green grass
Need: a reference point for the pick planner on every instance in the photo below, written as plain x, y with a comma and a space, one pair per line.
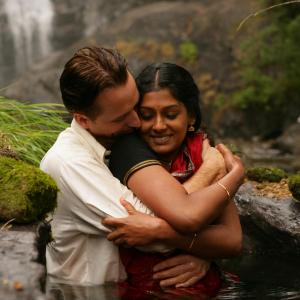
30, 129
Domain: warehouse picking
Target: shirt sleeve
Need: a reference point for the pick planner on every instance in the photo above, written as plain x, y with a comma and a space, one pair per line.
96, 195
129, 154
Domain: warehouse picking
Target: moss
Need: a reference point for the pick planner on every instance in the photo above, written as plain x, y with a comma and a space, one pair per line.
189, 52
261, 174
26, 192
294, 185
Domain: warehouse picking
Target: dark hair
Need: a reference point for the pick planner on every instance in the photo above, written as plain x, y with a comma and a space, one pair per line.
90, 71
177, 80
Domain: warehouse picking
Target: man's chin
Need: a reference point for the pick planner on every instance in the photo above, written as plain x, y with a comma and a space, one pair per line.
108, 141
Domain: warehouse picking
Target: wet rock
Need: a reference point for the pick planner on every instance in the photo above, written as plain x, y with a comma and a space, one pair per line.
289, 141
270, 225
20, 276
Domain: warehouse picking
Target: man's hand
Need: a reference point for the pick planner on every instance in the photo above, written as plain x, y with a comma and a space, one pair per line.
213, 162
212, 169
138, 229
231, 161
181, 271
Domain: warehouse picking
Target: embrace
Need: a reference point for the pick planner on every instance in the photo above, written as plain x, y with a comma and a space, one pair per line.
143, 199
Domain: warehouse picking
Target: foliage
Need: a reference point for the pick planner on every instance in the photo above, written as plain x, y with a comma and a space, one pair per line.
26, 193
261, 174
294, 185
269, 65
188, 52
30, 129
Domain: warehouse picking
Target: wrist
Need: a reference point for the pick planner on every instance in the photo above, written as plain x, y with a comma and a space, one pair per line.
164, 231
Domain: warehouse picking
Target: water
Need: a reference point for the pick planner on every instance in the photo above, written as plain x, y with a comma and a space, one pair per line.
261, 277
30, 25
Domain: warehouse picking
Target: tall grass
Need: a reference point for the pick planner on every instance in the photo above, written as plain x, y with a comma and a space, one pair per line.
30, 129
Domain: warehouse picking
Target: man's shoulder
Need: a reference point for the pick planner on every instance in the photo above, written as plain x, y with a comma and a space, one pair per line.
66, 149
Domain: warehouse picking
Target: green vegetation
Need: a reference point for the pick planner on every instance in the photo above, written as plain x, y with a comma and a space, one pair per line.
261, 174
269, 65
294, 186
26, 193
29, 129
188, 51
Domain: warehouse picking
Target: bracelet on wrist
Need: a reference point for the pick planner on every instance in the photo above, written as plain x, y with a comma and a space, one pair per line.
224, 188
193, 241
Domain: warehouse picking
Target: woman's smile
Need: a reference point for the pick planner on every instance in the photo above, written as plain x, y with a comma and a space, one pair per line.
161, 139
164, 122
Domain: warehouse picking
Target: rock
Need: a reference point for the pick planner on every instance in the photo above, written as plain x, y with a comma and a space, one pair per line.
20, 276
150, 30
269, 225
294, 186
26, 193
289, 141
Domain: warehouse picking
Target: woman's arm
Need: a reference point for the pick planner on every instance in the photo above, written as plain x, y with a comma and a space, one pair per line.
166, 197
222, 240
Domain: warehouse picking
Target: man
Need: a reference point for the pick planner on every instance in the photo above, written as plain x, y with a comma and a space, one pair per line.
100, 92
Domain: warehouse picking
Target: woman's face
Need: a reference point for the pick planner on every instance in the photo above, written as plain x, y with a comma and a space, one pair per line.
164, 122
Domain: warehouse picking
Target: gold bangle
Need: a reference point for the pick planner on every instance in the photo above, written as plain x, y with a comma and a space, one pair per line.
193, 241
225, 189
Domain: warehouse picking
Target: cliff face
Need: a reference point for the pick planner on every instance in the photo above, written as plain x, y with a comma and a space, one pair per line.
144, 31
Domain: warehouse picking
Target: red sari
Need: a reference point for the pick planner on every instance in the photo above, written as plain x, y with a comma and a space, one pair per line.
139, 265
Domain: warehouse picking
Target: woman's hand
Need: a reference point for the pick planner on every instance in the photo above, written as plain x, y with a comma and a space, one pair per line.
138, 229
181, 271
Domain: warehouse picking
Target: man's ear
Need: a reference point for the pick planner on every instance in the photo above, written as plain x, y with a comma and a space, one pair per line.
82, 120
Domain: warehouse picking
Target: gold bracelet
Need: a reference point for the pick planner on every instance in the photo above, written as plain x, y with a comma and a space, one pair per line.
225, 189
193, 241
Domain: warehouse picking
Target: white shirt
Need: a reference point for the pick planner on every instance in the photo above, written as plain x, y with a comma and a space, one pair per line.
88, 192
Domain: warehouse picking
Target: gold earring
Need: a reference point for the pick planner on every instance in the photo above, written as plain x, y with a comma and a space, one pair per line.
191, 128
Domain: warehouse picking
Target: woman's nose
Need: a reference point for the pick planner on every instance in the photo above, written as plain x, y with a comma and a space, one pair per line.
159, 124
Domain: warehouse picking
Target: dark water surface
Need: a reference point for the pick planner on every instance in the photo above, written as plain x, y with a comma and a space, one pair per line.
261, 277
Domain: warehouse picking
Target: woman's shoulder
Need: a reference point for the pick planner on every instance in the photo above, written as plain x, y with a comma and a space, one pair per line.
130, 153
128, 140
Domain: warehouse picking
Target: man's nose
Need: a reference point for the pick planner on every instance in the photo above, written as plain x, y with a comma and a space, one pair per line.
134, 120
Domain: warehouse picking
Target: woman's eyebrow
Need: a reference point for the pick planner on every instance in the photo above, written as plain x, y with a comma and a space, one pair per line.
165, 107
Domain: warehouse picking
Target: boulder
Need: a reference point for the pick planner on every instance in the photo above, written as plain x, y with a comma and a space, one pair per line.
269, 225
26, 193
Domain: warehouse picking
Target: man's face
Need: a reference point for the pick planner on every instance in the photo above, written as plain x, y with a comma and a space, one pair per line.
117, 114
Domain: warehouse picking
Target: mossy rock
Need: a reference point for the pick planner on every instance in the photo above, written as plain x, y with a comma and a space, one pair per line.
26, 192
261, 174
294, 186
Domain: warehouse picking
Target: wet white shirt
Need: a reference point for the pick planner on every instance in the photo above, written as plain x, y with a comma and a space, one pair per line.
88, 192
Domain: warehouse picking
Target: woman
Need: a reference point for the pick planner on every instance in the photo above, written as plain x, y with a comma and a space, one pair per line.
171, 137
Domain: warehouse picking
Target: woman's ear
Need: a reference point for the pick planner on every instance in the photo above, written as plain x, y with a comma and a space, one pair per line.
191, 120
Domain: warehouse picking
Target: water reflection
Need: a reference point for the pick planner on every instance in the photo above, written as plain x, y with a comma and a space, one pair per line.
263, 277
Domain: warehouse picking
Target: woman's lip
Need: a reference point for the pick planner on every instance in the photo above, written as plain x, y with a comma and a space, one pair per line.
161, 140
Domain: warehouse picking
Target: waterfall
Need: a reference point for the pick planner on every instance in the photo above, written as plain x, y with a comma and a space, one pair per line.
30, 24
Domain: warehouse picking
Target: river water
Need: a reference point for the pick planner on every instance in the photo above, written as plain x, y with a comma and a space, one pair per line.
260, 277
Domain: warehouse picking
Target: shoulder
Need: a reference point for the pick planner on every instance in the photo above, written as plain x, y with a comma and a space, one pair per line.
129, 154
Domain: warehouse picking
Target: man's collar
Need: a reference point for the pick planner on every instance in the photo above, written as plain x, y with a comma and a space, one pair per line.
89, 140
